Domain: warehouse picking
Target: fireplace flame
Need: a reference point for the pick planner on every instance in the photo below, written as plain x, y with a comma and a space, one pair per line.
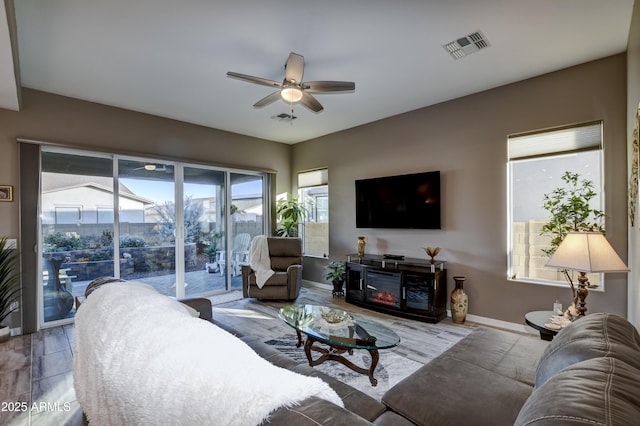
385, 298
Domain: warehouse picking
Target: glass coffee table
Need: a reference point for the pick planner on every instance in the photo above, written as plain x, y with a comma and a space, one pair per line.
340, 331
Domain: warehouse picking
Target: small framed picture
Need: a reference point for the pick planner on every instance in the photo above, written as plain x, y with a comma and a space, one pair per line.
6, 193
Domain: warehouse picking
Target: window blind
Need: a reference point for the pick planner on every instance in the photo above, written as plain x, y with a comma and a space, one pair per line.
558, 141
313, 178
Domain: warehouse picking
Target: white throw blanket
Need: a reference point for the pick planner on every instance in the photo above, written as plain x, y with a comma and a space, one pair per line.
141, 359
259, 259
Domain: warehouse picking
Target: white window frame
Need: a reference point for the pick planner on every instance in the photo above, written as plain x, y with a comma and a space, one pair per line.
551, 143
312, 179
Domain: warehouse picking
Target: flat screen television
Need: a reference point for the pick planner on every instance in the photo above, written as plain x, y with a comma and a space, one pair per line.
406, 201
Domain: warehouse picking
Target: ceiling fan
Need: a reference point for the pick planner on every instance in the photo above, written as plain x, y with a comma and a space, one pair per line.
293, 89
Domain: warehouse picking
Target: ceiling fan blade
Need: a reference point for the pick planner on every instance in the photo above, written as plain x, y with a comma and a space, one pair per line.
267, 100
294, 68
329, 86
252, 79
311, 102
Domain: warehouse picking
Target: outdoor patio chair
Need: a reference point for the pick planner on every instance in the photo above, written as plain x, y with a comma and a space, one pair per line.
239, 254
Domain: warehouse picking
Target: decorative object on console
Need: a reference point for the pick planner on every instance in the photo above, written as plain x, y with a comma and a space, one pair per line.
432, 252
585, 252
362, 242
337, 273
459, 301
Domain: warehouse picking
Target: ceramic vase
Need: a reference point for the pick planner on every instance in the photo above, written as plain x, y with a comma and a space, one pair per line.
362, 242
459, 301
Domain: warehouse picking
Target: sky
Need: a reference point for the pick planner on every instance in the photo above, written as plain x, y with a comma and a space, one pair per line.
161, 191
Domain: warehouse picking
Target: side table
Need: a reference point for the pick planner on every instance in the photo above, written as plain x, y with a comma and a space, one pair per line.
537, 320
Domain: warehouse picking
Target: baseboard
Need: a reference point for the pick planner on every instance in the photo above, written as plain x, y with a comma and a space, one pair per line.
490, 322
16, 331
506, 325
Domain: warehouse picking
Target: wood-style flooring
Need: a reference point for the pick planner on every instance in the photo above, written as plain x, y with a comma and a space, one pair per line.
36, 383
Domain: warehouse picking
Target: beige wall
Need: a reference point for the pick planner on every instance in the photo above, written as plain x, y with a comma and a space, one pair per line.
633, 98
52, 118
466, 140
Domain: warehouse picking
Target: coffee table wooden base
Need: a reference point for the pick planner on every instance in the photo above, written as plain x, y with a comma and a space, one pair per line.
334, 353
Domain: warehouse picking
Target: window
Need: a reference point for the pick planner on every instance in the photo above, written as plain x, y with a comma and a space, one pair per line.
182, 228
104, 214
537, 162
313, 191
68, 215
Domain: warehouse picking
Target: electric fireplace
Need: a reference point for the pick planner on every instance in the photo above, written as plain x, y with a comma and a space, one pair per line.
383, 288
411, 288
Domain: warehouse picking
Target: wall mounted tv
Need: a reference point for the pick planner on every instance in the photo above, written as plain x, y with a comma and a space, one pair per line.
406, 201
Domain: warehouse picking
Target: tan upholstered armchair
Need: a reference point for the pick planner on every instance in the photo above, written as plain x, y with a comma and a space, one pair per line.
286, 262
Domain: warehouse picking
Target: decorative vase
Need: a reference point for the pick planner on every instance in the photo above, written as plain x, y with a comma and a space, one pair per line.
362, 242
459, 301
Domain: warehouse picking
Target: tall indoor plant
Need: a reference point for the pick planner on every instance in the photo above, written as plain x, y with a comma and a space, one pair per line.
570, 210
290, 213
9, 286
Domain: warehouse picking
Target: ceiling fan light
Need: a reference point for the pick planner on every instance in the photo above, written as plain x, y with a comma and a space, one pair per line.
150, 167
291, 94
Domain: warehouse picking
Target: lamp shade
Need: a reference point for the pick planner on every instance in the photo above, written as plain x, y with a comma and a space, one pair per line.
586, 252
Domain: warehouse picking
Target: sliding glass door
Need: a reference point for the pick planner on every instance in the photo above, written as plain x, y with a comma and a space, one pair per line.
247, 213
162, 223
76, 229
146, 223
204, 230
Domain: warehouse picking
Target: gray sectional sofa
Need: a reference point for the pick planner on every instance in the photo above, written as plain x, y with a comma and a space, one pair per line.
589, 374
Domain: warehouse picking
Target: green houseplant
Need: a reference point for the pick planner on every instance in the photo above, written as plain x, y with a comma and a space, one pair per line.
9, 286
337, 272
570, 210
290, 213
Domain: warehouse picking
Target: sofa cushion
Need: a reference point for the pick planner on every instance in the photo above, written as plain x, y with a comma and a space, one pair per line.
593, 336
598, 391
313, 412
354, 400
454, 392
509, 354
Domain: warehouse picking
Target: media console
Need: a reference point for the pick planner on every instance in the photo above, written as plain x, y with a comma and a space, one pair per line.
410, 288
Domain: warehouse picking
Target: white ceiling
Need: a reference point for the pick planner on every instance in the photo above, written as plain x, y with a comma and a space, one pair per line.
170, 58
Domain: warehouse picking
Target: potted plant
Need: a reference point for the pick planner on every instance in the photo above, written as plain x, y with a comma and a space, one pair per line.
9, 287
337, 273
570, 210
290, 213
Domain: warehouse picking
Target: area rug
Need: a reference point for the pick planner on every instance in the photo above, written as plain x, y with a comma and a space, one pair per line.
231, 296
391, 367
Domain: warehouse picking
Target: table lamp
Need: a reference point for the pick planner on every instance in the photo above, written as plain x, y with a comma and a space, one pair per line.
586, 252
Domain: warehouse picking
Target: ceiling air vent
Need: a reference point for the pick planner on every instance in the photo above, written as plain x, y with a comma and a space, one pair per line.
466, 45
